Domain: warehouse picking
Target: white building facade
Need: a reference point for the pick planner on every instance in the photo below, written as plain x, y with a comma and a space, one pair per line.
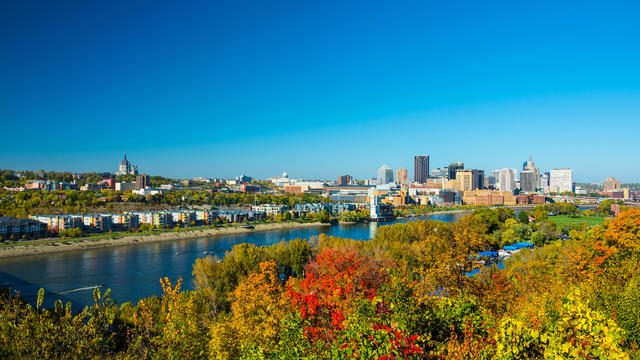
561, 180
507, 180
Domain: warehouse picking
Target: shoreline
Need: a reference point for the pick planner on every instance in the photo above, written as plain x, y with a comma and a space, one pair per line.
56, 245
27, 249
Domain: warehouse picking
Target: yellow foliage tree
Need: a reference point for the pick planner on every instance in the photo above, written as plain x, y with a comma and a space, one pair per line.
257, 313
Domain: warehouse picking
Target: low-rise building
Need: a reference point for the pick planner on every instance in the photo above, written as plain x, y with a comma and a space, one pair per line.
97, 222
240, 215
57, 223
125, 185
489, 197
270, 209
185, 217
247, 188
91, 187
206, 216
315, 208
349, 193
155, 218
147, 191
49, 185
125, 221
15, 229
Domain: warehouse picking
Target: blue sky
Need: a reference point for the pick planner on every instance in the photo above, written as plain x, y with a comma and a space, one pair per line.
319, 89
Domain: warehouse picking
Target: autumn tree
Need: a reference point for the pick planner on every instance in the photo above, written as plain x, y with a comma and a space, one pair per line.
331, 284
258, 310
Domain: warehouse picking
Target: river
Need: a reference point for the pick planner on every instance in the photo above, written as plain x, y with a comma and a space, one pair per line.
132, 272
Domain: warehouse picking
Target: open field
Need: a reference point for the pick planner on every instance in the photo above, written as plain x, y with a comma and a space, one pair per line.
565, 220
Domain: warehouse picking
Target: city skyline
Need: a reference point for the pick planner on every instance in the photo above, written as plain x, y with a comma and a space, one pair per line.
347, 178
231, 90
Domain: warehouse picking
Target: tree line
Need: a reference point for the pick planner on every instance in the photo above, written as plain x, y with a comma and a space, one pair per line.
23, 204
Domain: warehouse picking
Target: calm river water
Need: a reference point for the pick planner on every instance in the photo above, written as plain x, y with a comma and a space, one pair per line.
132, 272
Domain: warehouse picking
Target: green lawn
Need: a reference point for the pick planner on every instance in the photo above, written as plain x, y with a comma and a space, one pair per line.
564, 220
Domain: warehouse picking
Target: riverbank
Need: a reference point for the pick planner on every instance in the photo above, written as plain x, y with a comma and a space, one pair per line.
55, 245
49, 246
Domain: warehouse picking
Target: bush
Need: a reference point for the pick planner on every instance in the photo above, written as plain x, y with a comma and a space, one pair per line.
75, 232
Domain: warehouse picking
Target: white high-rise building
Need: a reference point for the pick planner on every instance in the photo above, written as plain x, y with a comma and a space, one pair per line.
507, 180
493, 178
561, 180
385, 175
544, 181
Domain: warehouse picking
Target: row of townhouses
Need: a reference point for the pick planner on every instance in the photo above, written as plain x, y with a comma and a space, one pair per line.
16, 229
105, 222
41, 225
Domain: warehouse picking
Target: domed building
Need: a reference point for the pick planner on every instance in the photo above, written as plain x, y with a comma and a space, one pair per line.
282, 180
126, 168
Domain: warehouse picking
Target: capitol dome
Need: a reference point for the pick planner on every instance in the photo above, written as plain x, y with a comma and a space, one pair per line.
285, 175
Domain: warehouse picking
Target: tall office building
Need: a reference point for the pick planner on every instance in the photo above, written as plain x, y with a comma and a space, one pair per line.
561, 180
401, 176
544, 180
344, 180
385, 175
531, 166
507, 180
493, 178
470, 179
528, 181
612, 184
453, 169
421, 169
142, 181
442, 172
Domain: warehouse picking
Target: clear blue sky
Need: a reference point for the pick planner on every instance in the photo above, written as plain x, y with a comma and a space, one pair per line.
319, 88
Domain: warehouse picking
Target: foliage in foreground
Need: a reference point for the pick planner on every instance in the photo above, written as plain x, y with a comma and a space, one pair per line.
403, 295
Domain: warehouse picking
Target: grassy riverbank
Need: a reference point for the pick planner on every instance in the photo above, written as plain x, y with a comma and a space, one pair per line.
53, 245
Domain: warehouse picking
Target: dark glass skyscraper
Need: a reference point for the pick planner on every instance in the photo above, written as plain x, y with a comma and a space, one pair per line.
453, 168
421, 169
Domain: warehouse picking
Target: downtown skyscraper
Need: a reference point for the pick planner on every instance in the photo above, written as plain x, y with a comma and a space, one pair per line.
421, 169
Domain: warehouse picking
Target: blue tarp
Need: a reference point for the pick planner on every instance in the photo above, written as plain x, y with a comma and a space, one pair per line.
524, 245
488, 253
473, 272
512, 247
476, 271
